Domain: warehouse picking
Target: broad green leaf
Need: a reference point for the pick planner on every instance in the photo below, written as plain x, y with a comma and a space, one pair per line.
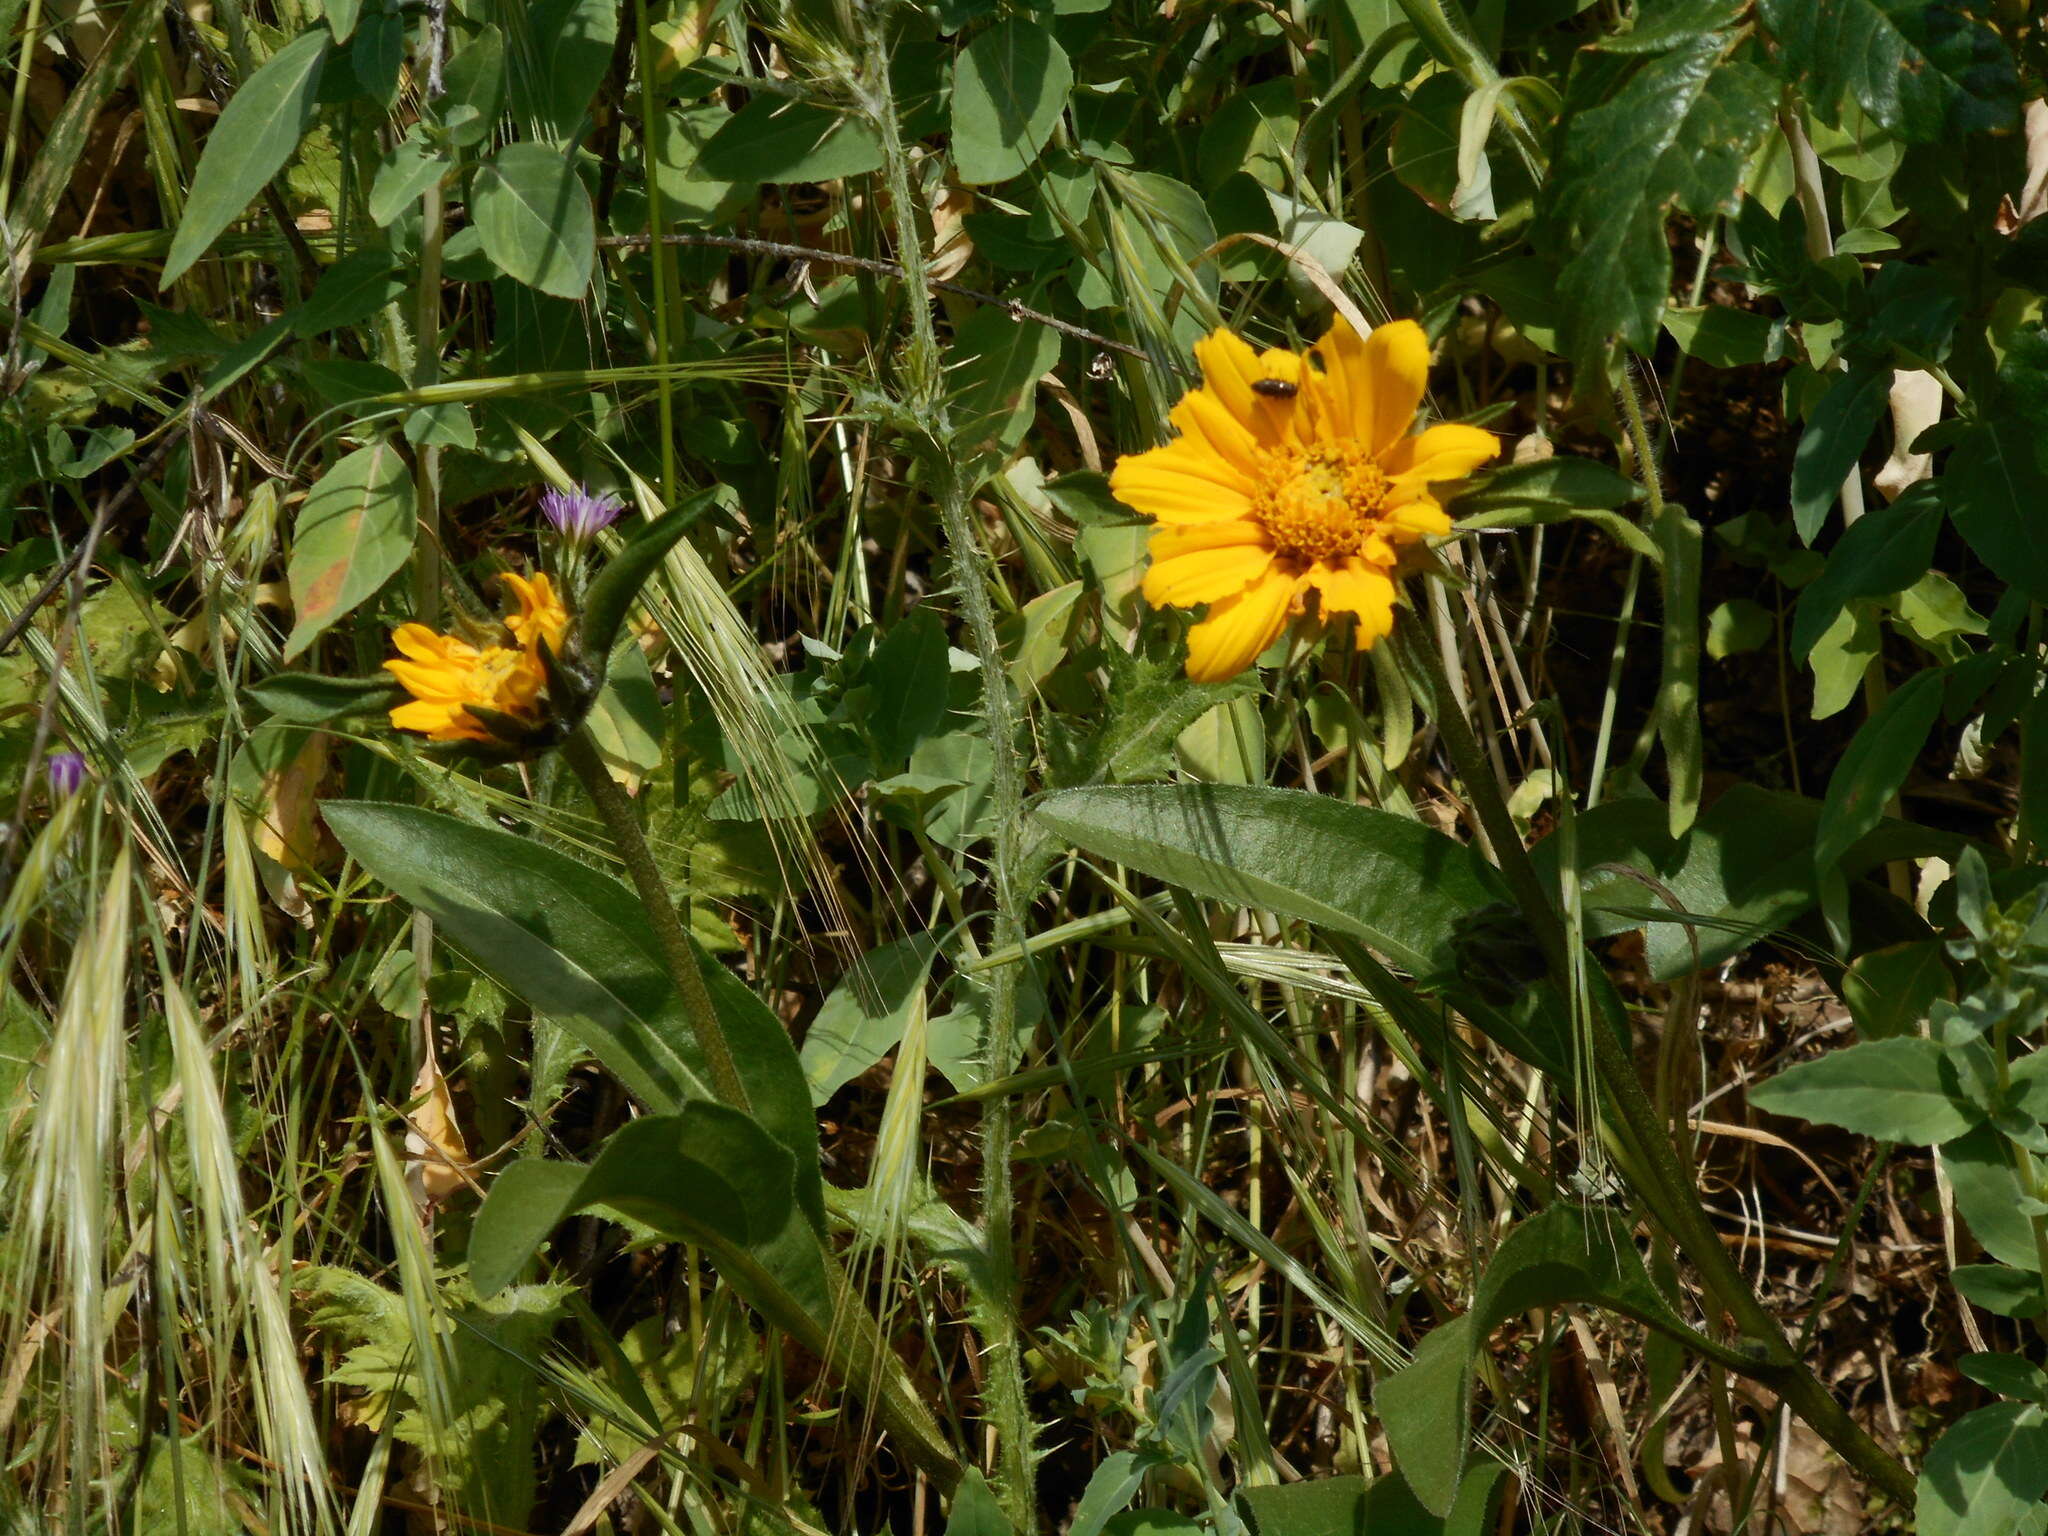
474, 88
1339, 1506
1928, 72
574, 944
1836, 434
1110, 1487
353, 289
992, 370
1396, 884
1986, 1474
775, 139
2007, 1375
1995, 490
709, 1176
909, 674
573, 42
255, 135
2000, 1288
1721, 337
1886, 551
1010, 85
1641, 135
1564, 478
864, 1018
377, 55
1565, 1253
535, 218
353, 533
974, 1511
1876, 765
1904, 1089
1890, 990
1739, 626
404, 173
1989, 1197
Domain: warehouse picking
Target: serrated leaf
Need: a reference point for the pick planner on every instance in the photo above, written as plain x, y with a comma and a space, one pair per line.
1641, 136
257, 131
1928, 72
1891, 1090
535, 218
1010, 85
353, 533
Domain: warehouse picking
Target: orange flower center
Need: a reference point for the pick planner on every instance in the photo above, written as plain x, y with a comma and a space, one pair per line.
1319, 503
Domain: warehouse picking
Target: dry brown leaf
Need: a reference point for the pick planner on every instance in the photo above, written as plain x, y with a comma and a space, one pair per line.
437, 1160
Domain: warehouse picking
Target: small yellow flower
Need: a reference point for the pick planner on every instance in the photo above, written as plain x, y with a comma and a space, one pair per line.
445, 676
1294, 473
541, 614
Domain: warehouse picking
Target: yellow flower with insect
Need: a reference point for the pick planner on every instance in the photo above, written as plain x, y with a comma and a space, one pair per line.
1294, 473
446, 675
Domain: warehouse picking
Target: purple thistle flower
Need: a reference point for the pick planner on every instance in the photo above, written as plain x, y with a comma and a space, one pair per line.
66, 771
578, 514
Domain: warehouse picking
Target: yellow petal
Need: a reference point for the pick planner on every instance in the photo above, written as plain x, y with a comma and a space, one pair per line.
539, 614
1206, 575
1171, 543
423, 644
1229, 365
429, 680
1238, 628
1449, 451
1376, 383
1360, 588
1180, 484
1417, 519
1203, 416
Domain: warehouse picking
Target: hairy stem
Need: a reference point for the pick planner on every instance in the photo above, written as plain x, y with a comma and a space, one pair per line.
1005, 1402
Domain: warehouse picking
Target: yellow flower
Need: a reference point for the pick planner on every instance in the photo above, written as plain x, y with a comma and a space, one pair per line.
445, 676
541, 614
1294, 473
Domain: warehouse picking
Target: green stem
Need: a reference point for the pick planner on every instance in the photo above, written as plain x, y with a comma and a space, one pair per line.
623, 822
1005, 1400
851, 1341
1653, 1163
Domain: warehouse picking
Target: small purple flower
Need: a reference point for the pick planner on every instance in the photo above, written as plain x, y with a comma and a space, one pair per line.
66, 771
578, 514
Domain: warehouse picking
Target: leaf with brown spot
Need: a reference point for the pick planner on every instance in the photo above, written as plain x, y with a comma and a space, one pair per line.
354, 531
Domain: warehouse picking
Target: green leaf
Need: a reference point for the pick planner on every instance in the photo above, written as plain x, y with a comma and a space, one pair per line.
1722, 337
307, 698
2000, 1288
1396, 884
404, 173
775, 139
1928, 72
1875, 766
1641, 135
2007, 1375
611, 596
1338, 1506
1110, 1487
709, 1176
975, 1511
1995, 490
475, 82
257, 131
1989, 1197
354, 531
1564, 478
1889, 991
575, 945
910, 674
1886, 551
1836, 434
575, 39
1739, 626
353, 289
1892, 1090
1565, 1253
535, 218
992, 369
1009, 87
1678, 688
1985, 1475
864, 1018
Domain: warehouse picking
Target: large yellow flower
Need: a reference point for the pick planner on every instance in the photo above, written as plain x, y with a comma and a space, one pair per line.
445, 676
1294, 473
